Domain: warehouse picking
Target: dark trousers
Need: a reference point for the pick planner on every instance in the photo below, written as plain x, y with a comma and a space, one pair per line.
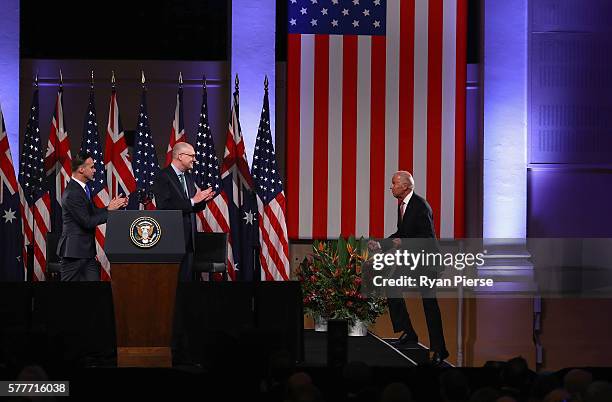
80, 269
185, 270
401, 320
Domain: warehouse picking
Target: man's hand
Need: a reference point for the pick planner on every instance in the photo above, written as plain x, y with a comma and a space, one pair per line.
203, 195
117, 202
373, 245
397, 242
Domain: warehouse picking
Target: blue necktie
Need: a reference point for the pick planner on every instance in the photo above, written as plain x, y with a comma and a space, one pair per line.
88, 192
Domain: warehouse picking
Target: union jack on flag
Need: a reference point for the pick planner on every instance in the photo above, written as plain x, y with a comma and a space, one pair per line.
238, 185
11, 251
178, 124
120, 177
57, 161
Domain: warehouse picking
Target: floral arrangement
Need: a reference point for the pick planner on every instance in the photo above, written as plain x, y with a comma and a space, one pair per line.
331, 282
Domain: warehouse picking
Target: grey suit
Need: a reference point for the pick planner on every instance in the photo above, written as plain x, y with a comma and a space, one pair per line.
77, 245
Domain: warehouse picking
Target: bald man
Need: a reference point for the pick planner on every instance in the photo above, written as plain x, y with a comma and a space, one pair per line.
174, 188
415, 220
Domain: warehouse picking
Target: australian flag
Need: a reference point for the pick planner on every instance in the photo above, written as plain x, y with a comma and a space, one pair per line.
11, 241
144, 162
238, 185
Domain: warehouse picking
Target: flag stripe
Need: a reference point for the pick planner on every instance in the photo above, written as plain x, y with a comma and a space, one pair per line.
377, 139
306, 135
320, 136
335, 148
364, 93
419, 148
460, 82
447, 183
406, 85
349, 134
293, 133
395, 150
434, 108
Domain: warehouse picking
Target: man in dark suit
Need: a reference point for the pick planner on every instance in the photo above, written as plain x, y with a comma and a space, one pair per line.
76, 245
175, 189
415, 220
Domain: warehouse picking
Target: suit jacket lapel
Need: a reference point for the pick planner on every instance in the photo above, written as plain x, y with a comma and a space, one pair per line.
176, 182
408, 209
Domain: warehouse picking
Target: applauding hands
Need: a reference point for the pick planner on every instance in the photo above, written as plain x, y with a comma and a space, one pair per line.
203, 195
117, 202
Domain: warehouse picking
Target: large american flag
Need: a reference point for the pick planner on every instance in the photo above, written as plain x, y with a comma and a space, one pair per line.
120, 178
215, 218
35, 201
57, 161
11, 263
178, 124
238, 185
274, 245
374, 86
90, 143
144, 162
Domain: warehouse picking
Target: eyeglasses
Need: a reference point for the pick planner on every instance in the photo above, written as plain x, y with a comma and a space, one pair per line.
192, 156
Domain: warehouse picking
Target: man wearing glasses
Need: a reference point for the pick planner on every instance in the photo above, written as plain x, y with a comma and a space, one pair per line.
175, 189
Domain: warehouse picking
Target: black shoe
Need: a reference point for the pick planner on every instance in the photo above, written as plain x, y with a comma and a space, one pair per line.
437, 359
407, 339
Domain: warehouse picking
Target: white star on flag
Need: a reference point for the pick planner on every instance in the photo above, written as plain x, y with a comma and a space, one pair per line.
9, 215
248, 217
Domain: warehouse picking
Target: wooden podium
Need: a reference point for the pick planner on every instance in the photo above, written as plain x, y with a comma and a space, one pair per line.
144, 279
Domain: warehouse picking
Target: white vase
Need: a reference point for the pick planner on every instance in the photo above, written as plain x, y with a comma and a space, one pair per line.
359, 329
320, 324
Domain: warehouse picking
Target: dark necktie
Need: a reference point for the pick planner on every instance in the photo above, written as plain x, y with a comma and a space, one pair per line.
183, 183
88, 192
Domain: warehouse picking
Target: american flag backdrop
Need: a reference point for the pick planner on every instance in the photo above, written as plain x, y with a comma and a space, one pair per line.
90, 143
206, 173
57, 161
273, 242
144, 161
35, 201
120, 177
374, 86
177, 133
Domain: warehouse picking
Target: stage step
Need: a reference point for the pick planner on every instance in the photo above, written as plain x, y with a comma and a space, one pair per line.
415, 352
